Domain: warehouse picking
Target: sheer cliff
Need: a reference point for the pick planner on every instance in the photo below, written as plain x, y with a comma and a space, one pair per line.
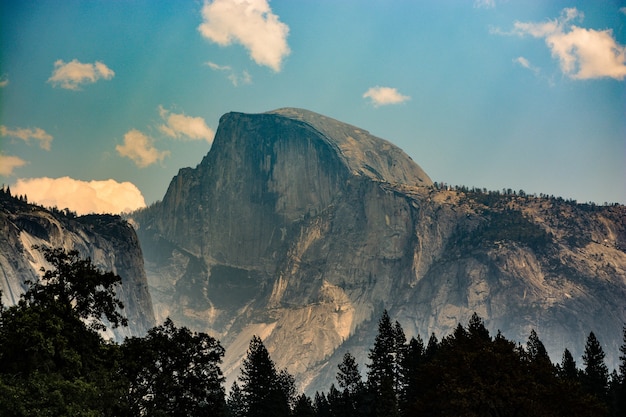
109, 241
301, 229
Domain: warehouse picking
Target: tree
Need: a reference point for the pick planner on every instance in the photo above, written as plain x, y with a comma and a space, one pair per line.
236, 403
303, 407
51, 362
567, 370
262, 393
174, 372
76, 288
621, 386
349, 380
381, 376
595, 377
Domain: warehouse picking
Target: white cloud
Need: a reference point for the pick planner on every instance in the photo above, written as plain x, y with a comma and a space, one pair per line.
382, 96
582, 53
4, 80
180, 126
526, 64
485, 4
72, 74
83, 197
622, 10
140, 149
250, 23
8, 163
26, 135
244, 78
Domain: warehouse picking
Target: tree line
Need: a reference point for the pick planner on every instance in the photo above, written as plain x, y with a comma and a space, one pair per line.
54, 362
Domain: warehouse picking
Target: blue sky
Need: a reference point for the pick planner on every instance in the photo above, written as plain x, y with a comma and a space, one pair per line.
102, 102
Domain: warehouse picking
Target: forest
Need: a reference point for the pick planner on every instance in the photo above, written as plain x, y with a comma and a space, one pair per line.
54, 362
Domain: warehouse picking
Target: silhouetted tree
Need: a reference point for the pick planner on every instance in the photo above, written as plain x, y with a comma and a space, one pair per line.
353, 389
76, 288
381, 376
262, 392
174, 372
595, 377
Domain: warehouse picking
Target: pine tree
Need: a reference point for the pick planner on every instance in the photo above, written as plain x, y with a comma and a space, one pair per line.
260, 383
235, 405
349, 380
303, 407
595, 376
412, 361
381, 377
621, 387
567, 369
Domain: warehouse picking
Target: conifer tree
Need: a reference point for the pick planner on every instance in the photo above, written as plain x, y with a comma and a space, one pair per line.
595, 376
235, 404
567, 369
621, 386
260, 383
303, 407
381, 376
349, 380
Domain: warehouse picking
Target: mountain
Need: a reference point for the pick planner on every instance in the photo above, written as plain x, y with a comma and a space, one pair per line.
301, 229
109, 241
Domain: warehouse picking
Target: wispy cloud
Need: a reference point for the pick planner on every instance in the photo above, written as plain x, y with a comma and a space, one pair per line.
83, 197
383, 96
249, 23
8, 163
181, 126
4, 80
244, 78
582, 53
71, 75
38, 134
622, 10
140, 149
484, 4
520, 60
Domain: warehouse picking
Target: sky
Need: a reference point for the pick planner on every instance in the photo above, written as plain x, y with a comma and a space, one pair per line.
102, 102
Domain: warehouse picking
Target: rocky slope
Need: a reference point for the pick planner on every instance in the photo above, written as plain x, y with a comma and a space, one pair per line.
109, 241
302, 229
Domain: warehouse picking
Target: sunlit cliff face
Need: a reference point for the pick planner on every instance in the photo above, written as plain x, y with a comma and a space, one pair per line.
302, 229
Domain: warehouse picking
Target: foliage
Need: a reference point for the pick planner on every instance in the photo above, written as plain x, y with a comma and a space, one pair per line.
266, 392
174, 372
75, 288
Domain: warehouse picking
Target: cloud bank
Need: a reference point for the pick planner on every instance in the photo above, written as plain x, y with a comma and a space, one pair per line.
72, 75
383, 96
140, 149
250, 23
8, 163
83, 197
582, 53
180, 126
4, 80
26, 135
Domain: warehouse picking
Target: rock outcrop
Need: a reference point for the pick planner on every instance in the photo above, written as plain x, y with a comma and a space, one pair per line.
108, 240
302, 229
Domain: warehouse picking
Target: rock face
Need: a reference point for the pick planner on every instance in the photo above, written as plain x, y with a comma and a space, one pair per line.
302, 229
109, 241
